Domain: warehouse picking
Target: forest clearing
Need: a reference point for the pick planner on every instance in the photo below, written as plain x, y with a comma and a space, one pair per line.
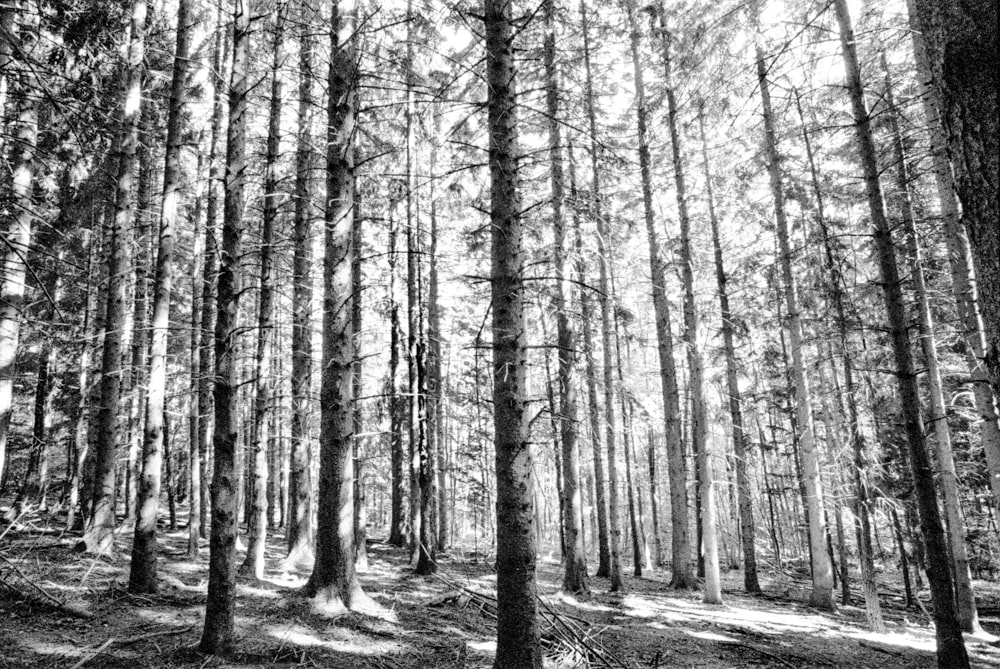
500, 333
446, 620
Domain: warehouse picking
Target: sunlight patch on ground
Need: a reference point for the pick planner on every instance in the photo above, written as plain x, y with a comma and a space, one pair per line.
910, 639
710, 636
345, 641
253, 591
486, 646
584, 606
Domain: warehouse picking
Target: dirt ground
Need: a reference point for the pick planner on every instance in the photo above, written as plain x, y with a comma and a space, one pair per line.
440, 622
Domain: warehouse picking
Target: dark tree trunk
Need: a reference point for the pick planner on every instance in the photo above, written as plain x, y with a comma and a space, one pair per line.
518, 635
218, 635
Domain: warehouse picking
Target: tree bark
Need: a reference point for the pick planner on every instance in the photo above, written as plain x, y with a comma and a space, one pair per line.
963, 276
142, 575
950, 645
822, 570
397, 521
964, 61
218, 635
518, 635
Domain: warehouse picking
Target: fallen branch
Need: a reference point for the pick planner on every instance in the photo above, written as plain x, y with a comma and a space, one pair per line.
97, 652
881, 649
54, 601
765, 653
153, 635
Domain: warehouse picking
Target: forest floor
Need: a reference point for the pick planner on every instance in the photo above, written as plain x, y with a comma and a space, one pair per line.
442, 621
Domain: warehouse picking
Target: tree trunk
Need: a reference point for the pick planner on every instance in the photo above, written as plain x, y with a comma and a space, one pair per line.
210, 273
334, 584
963, 277
435, 431
574, 557
603, 533
747, 530
253, 564
397, 522
682, 565
17, 228
142, 575
518, 635
300, 530
357, 385
950, 645
218, 635
822, 571
964, 62
699, 417
99, 534
947, 479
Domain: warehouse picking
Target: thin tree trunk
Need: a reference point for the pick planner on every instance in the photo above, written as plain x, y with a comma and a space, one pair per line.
574, 557
300, 530
357, 417
218, 635
699, 417
603, 530
747, 530
194, 417
682, 565
142, 574
435, 430
950, 645
397, 522
253, 564
518, 635
210, 274
822, 571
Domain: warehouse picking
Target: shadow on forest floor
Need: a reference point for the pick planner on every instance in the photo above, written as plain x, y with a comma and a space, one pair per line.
444, 621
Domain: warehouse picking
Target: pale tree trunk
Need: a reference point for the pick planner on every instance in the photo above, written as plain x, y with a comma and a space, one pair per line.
947, 479
8, 13
822, 570
847, 398
964, 62
600, 482
334, 585
357, 418
142, 575
300, 530
950, 645
699, 417
963, 277
681, 562
99, 534
574, 557
253, 564
194, 352
747, 529
518, 634
435, 431
19, 219
218, 634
